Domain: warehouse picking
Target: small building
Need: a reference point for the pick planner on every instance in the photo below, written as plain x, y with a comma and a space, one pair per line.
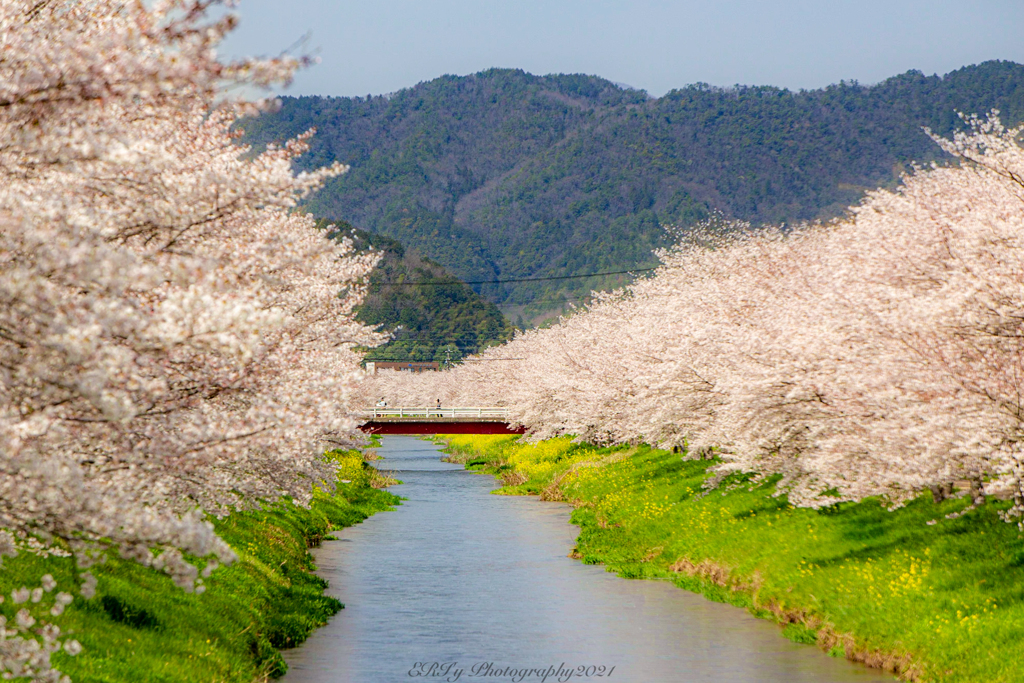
409, 366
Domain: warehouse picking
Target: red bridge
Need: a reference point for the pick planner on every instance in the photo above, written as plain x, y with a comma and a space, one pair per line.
492, 420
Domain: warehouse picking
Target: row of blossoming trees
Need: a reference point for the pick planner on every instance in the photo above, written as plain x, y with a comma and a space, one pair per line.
878, 355
172, 338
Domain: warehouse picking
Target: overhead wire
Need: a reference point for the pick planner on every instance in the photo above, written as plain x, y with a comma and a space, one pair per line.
455, 339
441, 283
459, 360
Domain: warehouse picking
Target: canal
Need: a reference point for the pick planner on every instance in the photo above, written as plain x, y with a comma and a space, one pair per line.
456, 575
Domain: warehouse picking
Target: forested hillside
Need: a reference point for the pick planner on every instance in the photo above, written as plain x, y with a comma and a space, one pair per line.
430, 313
506, 175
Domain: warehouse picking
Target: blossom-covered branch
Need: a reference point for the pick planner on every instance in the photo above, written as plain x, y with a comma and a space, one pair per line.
175, 338
879, 355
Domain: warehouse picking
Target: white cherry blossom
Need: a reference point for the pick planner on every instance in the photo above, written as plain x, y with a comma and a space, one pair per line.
880, 355
175, 336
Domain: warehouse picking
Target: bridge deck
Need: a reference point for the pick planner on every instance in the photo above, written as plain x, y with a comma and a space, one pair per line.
402, 420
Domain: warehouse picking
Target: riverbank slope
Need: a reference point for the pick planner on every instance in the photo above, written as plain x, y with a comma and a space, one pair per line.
910, 591
141, 627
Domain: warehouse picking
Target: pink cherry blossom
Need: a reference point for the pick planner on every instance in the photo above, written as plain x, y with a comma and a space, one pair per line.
175, 336
879, 355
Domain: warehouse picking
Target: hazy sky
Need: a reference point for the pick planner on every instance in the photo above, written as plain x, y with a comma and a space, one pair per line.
379, 46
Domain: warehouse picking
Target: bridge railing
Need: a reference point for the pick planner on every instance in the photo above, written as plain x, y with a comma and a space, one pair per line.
494, 412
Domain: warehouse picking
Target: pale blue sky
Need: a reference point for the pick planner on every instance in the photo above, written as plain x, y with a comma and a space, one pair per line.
379, 46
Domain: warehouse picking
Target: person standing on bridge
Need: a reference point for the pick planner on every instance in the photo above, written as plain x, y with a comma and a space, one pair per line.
439, 404
382, 403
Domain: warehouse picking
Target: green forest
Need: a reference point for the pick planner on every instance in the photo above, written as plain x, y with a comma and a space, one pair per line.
505, 175
430, 313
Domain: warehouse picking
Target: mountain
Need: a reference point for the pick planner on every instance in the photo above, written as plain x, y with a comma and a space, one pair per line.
443, 320
503, 175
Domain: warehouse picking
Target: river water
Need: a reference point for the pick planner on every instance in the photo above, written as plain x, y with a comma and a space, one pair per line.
482, 585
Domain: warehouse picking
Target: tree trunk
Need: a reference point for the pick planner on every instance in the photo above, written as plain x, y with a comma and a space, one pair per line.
977, 497
941, 492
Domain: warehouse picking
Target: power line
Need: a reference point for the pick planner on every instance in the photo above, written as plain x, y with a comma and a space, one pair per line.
467, 340
560, 300
441, 283
442, 337
460, 360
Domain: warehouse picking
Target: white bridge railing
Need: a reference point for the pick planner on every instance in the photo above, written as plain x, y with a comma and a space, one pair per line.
493, 412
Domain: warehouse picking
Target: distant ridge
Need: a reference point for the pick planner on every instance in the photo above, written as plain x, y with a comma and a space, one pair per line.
505, 175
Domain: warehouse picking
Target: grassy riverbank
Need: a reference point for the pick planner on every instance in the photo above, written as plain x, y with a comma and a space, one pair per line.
140, 627
933, 602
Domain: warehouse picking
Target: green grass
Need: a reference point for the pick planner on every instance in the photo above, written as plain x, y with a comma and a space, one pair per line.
142, 628
942, 602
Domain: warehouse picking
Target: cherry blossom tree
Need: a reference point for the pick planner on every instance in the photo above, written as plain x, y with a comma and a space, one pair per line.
175, 338
879, 355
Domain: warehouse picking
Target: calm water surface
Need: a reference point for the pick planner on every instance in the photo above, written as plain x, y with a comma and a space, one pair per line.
458, 575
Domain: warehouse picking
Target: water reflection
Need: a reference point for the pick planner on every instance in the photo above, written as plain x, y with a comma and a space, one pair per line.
458, 575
